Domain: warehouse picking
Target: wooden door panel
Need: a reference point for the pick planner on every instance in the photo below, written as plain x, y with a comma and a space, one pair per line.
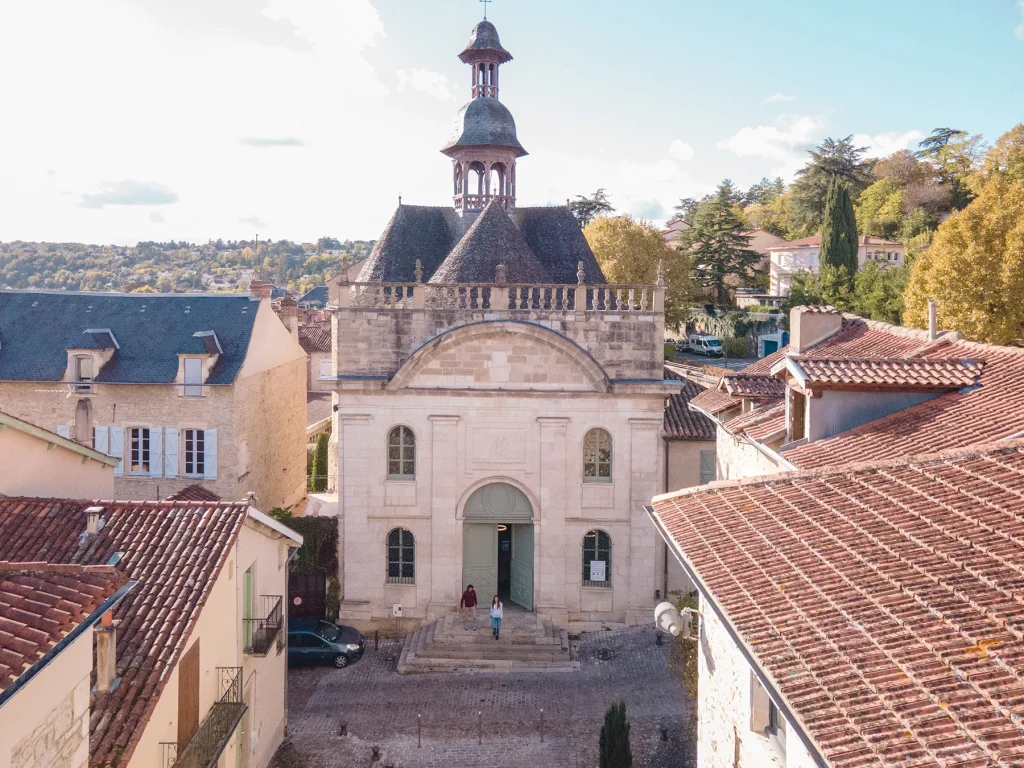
480, 560
188, 694
522, 566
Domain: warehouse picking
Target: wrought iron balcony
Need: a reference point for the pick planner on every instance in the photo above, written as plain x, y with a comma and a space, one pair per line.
204, 749
260, 633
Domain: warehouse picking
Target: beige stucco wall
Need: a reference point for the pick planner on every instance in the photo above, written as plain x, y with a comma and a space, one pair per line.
46, 723
34, 467
724, 708
682, 471
315, 358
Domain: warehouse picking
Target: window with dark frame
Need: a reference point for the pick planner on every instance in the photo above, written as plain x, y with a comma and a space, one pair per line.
597, 457
401, 454
195, 452
139, 450
597, 545
401, 557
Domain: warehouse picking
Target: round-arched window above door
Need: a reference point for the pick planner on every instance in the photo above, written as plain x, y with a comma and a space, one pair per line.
499, 502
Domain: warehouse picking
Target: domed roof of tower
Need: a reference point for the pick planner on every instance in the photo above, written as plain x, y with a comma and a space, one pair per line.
492, 240
485, 122
484, 38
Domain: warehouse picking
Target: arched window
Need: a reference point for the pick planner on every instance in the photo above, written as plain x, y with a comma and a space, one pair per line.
401, 557
597, 559
401, 454
597, 457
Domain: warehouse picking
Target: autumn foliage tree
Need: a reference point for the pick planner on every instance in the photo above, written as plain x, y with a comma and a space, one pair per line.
629, 251
974, 268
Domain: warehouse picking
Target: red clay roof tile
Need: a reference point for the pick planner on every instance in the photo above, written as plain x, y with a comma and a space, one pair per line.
194, 492
882, 601
752, 385
315, 338
680, 422
898, 373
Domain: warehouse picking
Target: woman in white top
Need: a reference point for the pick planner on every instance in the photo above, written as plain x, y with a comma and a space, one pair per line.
496, 614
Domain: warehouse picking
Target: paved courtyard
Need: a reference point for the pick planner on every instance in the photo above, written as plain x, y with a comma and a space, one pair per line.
376, 706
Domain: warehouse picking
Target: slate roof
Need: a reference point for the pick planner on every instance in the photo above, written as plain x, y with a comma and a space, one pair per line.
484, 38
315, 338
492, 240
484, 122
40, 605
315, 296
430, 233
174, 550
680, 422
38, 327
193, 492
882, 602
889, 373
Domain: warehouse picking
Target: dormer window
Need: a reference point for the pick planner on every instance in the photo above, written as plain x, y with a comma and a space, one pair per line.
193, 377
83, 373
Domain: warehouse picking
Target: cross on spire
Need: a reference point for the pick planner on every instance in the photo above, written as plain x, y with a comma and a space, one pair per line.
486, 3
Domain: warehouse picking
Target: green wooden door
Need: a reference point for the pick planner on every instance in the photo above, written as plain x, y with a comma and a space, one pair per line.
522, 566
249, 602
480, 560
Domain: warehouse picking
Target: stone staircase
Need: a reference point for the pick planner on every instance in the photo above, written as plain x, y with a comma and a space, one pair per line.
528, 643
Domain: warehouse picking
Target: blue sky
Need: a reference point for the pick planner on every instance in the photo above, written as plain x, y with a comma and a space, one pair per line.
199, 119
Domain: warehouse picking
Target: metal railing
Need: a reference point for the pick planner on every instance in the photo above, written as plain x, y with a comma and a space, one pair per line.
215, 731
260, 633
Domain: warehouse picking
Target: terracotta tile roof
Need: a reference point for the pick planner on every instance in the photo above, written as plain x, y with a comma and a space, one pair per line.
315, 338
859, 338
680, 422
903, 373
882, 602
173, 549
992, 410
760, 422
194, 493
714, 402
756, 385
40, 604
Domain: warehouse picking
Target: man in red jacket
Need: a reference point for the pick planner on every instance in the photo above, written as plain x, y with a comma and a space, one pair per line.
468, 604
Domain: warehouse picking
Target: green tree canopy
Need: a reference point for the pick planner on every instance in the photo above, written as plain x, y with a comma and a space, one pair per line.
586, 209
834, 159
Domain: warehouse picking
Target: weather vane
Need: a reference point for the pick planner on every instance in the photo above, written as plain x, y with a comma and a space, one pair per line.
486, 2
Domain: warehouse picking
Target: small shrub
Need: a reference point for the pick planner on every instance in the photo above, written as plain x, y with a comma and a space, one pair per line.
320, 464
670, 352
736, 347
614, 741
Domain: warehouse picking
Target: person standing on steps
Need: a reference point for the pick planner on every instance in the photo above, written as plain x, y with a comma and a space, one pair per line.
496, 615
468, 605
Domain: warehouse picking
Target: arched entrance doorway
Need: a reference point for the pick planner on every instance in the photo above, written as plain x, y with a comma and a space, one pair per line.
497, 545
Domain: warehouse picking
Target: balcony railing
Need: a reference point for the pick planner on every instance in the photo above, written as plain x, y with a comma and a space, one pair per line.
260, 633
210, 739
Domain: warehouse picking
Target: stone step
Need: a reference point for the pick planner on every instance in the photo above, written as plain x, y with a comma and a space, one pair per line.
523, 653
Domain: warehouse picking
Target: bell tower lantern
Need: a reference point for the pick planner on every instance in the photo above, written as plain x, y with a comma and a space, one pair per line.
484, 146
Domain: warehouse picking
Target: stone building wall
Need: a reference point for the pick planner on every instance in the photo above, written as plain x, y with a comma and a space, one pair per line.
736, 459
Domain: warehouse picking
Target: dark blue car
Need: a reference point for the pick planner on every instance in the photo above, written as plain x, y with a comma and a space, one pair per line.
318, 641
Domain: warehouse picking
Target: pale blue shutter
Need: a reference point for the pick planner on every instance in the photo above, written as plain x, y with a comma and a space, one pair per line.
117, 449
156, 453
170, 452
102, 437
707, 466
64, 431
210, 446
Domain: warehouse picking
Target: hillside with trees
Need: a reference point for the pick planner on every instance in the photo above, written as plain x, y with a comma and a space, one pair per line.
175, 266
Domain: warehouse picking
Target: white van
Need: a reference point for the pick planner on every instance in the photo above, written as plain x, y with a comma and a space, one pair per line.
700, 344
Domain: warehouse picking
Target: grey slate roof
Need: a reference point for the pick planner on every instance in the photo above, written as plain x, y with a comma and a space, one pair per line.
431, 233
484, 122
315, 296
492, 240
485, 38
38, 327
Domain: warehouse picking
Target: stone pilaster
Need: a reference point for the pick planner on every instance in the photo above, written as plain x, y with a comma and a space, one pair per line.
550, 542
645, 468
445, 529
354, 445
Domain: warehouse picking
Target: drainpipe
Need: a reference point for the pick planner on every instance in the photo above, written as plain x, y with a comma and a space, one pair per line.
664, 561
933, 324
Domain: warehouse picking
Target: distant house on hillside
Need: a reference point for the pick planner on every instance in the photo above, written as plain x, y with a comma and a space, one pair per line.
802, 255
673, 227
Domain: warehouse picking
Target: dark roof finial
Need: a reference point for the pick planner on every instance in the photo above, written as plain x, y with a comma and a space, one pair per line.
486, 3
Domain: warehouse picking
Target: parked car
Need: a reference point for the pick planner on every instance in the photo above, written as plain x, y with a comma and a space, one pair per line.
318, 641
682, 345
701, 344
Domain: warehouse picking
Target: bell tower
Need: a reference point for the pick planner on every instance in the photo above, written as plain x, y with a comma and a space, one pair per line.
484, 146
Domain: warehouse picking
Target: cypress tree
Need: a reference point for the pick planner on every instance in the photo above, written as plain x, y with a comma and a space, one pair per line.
320, 464
839, 235
614, 742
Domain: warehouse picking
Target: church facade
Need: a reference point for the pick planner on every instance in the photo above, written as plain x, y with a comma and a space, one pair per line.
499, 406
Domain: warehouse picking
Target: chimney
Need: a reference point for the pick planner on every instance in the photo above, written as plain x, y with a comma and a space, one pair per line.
92, 520
106, 654
260, 289
933, 322
811, 325
289, 314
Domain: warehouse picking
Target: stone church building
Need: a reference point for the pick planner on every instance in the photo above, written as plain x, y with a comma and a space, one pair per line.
499, 406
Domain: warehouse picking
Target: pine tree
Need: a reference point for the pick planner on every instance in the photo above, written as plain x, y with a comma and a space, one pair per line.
320, 464
717, 243
614, 742
839, 236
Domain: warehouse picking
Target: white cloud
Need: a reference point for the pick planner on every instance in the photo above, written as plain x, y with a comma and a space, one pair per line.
777, 97
785, 142
680, 150
431, 83
262, 142
884, 144
155, 217
129, 192
1019, 31
252, 221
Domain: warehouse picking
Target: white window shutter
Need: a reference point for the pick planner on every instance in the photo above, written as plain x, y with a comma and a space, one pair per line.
170, 452
210, 446
117, 448
64, 431
102, 439
156, 454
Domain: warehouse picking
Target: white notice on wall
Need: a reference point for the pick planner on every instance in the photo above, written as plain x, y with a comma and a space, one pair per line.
597, 570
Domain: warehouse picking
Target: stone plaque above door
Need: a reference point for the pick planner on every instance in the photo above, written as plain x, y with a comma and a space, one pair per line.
496, 447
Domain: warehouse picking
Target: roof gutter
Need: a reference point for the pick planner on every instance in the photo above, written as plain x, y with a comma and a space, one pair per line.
745, 650
6, 420
67, 640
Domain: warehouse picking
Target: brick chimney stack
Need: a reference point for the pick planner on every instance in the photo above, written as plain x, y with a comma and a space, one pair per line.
811, 325
289, 314
260, 289
106, 654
